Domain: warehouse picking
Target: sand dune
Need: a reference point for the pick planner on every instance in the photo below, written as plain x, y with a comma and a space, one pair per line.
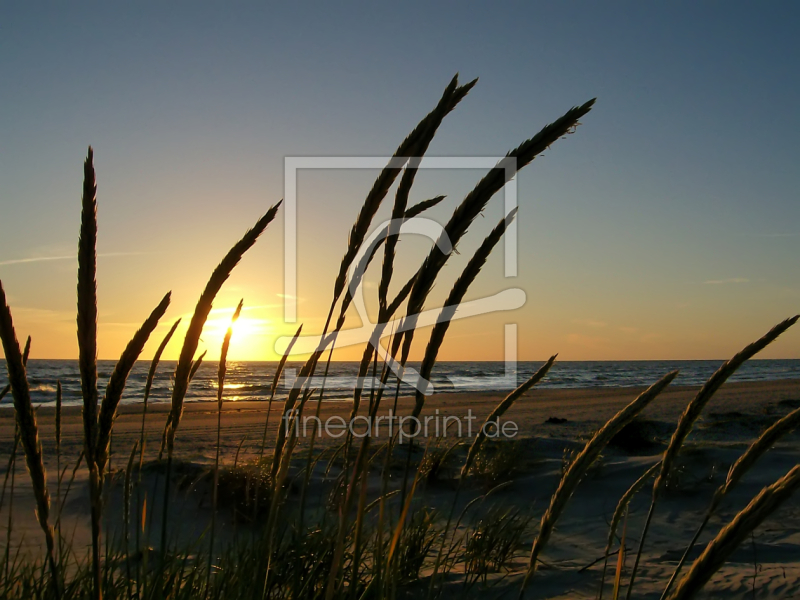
769, 564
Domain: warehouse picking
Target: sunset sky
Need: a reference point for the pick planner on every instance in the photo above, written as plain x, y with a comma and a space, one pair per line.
666, 227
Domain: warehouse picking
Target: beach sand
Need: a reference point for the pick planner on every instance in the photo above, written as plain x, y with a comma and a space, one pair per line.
768, 566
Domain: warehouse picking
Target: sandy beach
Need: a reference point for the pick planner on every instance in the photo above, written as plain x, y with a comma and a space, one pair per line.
551, 423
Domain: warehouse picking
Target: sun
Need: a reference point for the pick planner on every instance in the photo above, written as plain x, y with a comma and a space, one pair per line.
245, 327
249, 339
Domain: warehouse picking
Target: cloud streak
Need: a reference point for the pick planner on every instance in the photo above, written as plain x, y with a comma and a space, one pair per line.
36, 259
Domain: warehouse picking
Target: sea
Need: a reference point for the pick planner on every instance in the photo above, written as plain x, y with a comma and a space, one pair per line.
252, 381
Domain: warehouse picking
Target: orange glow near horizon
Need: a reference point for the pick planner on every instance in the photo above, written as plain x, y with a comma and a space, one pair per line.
249, 340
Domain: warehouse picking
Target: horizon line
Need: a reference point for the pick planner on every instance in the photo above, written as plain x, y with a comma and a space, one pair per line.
215, 361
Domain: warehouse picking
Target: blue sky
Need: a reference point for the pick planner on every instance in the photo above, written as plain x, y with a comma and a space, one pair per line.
668, 226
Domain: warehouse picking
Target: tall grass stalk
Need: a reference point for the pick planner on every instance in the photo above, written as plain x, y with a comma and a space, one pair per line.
390, 566
221, 372
183, 370
384, 493
622, 509
98, 427
362, 504
112, 397
59, 474
691, 414
413, 146
473, 204
359, 474
311, 443
743, 464
362, 499
474, 448
28, 430
420, 285
386, 310
12, 457
77, 466
579, 466
273, 388
118, 378
201, 312
12, 469
501, 409
451, 304
736, 532
126, 516
455, 297
277, 484
87, 351
151, 373
620, 559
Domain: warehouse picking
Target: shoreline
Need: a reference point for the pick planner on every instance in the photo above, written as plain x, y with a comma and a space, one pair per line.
159, 405
583, 410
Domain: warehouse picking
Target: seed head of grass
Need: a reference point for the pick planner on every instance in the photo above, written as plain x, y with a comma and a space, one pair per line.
87, 305
201, 312
474, 203
452, 302
116, 383
696, 406
413, 146
500, 410
735, 533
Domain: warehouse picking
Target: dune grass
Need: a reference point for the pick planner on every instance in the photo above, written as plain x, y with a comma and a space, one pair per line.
361, 541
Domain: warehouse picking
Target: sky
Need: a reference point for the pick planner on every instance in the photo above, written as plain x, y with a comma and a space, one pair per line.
666, 227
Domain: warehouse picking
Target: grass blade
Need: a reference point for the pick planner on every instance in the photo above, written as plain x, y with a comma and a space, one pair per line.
620, 560
622, 509
275, 380
126, 516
